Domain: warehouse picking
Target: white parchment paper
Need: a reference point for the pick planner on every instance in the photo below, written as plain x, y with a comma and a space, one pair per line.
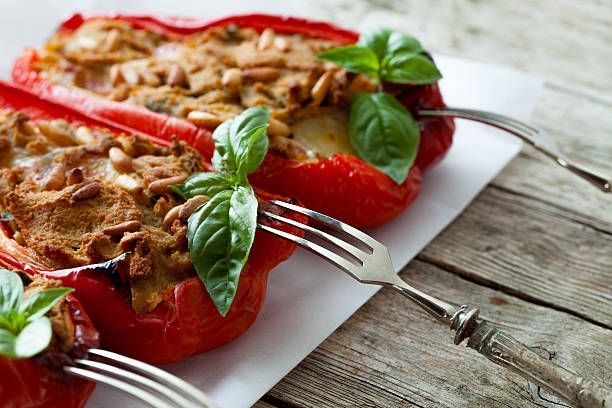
307, 298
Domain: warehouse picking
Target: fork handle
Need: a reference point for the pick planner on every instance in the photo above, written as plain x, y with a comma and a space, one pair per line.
508, 352
599, 181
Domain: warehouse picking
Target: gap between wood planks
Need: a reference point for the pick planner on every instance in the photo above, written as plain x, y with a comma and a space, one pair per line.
482, 281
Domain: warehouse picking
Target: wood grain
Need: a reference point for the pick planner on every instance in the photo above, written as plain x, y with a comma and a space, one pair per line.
413, 360
534, 249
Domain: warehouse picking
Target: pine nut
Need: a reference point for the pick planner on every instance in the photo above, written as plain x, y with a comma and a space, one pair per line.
130, 75
53, 132
176, 76
111, 42
120, 229
320, 88
190, 206
27, 128
171, 215
204, 119
120, 160
83, 135
115, 75
18, 236
278, 128
261, 74
75, 176
127, 183
232, 79
281, 44
86, 192
150, 79
55, 179
266, 39
159, 187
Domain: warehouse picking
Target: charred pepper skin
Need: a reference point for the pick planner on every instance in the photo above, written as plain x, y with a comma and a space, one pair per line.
350, 189
187, 321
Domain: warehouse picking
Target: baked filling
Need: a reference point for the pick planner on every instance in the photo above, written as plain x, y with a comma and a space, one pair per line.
78, 195
214, 75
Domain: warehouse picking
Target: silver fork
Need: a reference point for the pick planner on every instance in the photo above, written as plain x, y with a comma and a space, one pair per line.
368, 261
149, 384
532, 135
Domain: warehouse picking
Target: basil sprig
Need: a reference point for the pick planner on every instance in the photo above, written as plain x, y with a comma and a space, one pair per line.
386, 55
24, 328
383, 131
220, 233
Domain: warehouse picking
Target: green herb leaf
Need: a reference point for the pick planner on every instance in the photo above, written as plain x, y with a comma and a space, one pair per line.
386, 43
241, 143
24, 330
33, 338
385, 55
11, 291
355, 58
209, 184
411, 68
220, 235
41, 302
7, 343
384, 133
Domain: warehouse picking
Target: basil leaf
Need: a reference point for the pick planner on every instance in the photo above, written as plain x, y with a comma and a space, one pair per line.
411, 68
223, 156
239, 142
33, 338
7, 343
355, 58
42, 301
385, 55
11, 291
209, 184
221, 232
386, 43
384, 133
250, 140
220, 235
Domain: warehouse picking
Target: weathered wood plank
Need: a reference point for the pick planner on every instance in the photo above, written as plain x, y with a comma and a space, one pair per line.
565, 41
581, 125
412, 361
533, 250
538, 234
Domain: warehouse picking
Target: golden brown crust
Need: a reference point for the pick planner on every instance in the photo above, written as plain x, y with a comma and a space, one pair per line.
206, 77
77, 203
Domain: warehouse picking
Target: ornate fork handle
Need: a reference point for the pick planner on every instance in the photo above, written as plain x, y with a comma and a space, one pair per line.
508, 352
368, 261
529, 134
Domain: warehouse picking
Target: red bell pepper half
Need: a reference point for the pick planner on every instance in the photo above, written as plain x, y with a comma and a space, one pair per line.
187, 321
342, 186
40, 381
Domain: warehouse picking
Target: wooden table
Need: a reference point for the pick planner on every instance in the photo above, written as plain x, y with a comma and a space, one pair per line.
534, 249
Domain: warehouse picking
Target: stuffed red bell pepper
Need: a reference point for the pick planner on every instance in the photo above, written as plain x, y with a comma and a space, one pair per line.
343, 138
74, 193
42, 328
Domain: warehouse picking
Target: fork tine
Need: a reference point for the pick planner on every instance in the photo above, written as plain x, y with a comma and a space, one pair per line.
331, 223
152, 385
353, 259
328, 255
134, 391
